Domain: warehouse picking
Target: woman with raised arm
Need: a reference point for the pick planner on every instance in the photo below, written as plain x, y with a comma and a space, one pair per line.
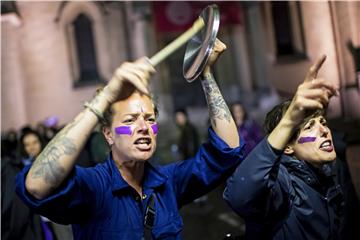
285, 189
126, 197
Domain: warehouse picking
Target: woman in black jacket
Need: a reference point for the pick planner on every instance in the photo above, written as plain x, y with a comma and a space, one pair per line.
285, 188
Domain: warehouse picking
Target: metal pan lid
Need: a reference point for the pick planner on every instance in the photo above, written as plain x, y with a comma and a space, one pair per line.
199, 48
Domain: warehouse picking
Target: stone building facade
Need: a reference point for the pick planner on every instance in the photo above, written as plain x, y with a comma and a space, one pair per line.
43, 62
40, 66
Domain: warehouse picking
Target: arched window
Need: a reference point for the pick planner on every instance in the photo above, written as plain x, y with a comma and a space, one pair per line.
9, 7
85, 51
288, 29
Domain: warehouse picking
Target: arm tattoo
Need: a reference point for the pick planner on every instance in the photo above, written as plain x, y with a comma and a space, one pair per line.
47, 164
217, 106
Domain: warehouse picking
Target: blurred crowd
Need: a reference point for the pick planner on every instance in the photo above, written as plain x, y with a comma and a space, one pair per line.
19, 149
189, 139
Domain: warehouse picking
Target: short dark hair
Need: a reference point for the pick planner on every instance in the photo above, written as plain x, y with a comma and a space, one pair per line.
181, 110
273, 118
239, 103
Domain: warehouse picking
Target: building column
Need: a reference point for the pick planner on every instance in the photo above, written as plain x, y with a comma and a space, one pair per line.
347, 39
256, 45
13, 112
239, 48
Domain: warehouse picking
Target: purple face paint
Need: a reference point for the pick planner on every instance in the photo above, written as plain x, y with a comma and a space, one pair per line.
306, 139
123, 130
155, 128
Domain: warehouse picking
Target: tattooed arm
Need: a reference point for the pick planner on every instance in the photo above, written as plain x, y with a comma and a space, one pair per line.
220, 116
58, 158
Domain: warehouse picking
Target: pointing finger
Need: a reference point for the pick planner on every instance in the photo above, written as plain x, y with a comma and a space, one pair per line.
314, 69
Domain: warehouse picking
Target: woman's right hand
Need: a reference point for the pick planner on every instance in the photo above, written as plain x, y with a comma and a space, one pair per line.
314, 93
136, 73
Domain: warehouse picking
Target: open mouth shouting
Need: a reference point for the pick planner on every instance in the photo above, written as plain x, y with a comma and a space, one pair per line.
143, 143
326, 146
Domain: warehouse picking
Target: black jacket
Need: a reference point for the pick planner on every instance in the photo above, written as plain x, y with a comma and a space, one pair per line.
281, 197
18, 222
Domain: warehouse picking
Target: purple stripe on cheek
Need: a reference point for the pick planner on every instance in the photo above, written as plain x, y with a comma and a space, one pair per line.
306, 139
155, 128
123, 130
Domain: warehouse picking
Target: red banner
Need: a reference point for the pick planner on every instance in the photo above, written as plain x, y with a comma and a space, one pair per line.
178, 16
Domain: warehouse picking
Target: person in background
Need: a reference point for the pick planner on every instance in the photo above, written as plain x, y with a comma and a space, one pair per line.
285, 188
248, 129
127, 197
18, 221
31, 145
188, 141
